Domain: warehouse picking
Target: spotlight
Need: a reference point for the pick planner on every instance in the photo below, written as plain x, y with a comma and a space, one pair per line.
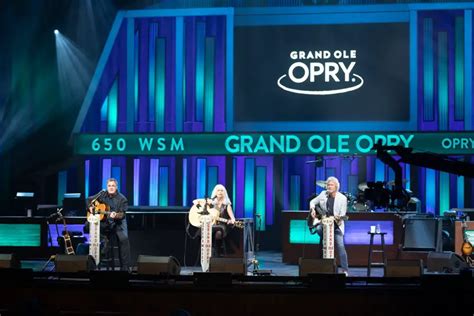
56, 32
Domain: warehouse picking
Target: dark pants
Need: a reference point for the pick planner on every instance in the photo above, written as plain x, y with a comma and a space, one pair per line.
339, 243
120, 234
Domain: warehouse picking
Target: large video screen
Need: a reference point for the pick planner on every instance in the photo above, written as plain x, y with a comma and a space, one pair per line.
341, 72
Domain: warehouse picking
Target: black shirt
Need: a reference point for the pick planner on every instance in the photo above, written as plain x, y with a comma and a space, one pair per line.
330, 206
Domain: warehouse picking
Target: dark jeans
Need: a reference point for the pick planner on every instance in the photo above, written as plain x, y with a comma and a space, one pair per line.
339, 243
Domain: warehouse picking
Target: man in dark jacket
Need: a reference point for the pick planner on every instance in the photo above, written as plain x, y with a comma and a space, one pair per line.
116, 221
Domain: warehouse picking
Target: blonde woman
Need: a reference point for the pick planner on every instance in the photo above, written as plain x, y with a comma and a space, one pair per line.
221, 202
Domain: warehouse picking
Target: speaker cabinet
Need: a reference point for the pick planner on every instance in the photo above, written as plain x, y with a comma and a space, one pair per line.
308, 266
9, 261
232, 265
422, 234
72, 263
404, 268
154, 265
447, 261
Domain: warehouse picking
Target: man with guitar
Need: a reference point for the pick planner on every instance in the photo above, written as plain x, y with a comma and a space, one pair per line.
331, 202
115, 221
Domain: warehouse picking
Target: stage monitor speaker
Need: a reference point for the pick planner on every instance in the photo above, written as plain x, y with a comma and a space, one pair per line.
313, 266
422, 234
232, 265
73, 263
447, 261
404, 268
154, 265
8, 261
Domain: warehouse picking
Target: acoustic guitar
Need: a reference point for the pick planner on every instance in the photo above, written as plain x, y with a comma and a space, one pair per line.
99, 208
466, 248
197, 211
68, 248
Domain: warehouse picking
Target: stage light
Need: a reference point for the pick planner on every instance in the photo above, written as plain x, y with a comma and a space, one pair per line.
56, 32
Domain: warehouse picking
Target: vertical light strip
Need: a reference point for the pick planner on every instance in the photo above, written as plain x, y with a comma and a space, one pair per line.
136, 182
62, 186
153, 194
179, 55
229, 68
407, 176
136, 67
460, 192
443, 80
209, 86
428, 71
106, 171
185, 181
87, 166
443, 192
200, 55
295, 192
414, 69
468, 69
379, 170
116, 174
164, 186
430, 184
249, 191
459, 69
130, 74
201, 178
160, 85
211, 179
234, 182
113, 108
104, 110
152, 59
260, 198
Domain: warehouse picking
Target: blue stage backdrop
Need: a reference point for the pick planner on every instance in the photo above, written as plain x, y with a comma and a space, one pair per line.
175, 71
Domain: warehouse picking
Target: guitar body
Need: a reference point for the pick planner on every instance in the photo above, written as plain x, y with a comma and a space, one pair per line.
100, 208
466, 248
195, 214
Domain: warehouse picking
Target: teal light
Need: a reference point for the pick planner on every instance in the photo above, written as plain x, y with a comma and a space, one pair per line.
130, 74
443, 80
160, 85
153, 193
260, 196
62, 186
20, 235
379, 170
209, 86
164, 186
200, 55
299, 233
430, 191
87, 165
460, 191
185, 182
443, 192
211, 179
295, 192
469, 235
249, 195
201, 178
104, 109
407, 176
428, 72
459, 69
112, 108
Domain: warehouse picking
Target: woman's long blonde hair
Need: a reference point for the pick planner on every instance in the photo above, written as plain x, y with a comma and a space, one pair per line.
226, 196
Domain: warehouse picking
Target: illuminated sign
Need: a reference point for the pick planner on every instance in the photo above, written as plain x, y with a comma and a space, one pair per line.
269, 143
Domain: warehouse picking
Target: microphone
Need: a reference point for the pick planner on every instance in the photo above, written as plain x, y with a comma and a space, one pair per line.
314, 161
215, 197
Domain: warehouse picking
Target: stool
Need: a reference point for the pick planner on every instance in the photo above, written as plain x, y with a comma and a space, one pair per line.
382, 250
111, 249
